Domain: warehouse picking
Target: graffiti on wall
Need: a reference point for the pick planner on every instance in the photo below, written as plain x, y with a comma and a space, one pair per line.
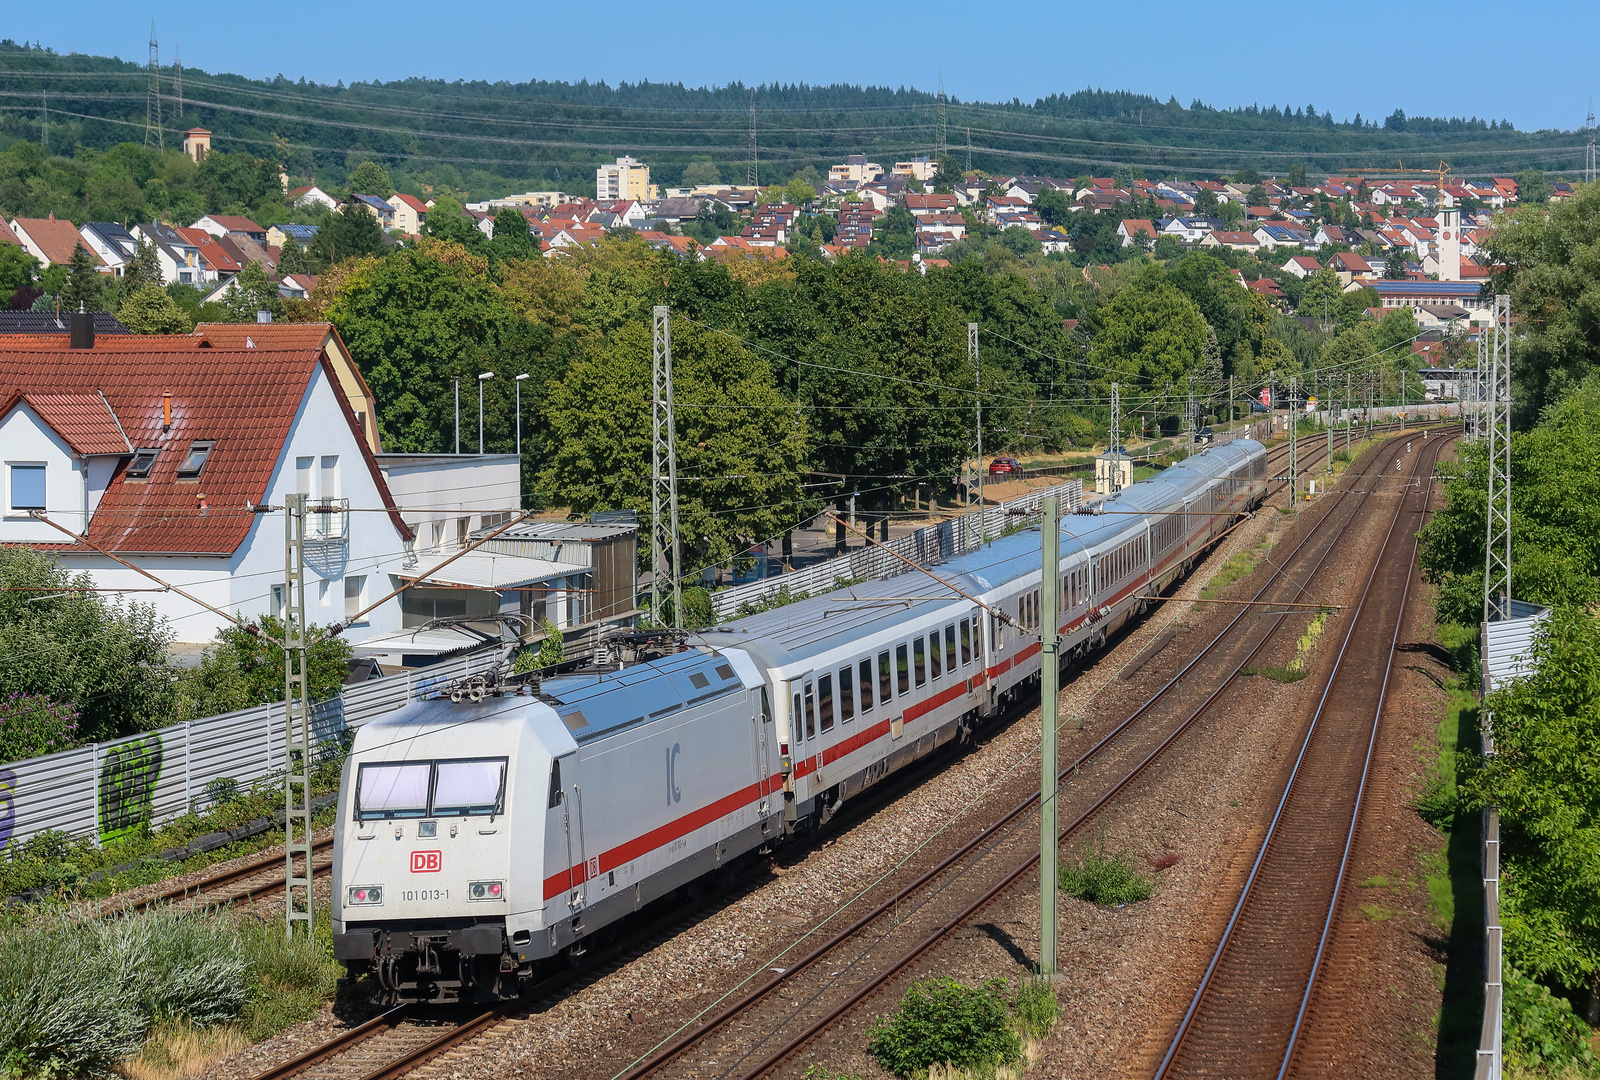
127, 786
8, 806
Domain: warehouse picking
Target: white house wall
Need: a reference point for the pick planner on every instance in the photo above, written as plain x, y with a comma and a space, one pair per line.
374, 548
25, 439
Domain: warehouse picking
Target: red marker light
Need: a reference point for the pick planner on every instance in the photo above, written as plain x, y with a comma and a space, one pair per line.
494, 890
361, 896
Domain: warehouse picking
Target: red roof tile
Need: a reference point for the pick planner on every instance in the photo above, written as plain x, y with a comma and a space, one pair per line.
56, 237
85, 421
236, 223
246, 399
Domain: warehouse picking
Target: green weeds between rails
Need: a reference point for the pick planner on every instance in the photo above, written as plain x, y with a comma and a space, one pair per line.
78, 995
1101, 878
947, 1029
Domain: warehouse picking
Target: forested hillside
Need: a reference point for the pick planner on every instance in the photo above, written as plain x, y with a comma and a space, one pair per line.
487, 139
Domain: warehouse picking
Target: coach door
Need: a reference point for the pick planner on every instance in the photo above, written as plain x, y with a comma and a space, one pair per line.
763, 750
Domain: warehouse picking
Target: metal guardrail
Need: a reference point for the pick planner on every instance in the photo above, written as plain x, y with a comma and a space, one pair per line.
924, 546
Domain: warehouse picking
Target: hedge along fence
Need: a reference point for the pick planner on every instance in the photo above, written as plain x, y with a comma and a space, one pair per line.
106, 790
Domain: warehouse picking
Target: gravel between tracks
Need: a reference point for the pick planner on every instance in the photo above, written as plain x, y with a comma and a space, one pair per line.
1125, 968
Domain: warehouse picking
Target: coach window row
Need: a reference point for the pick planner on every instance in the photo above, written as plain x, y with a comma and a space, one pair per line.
822, 702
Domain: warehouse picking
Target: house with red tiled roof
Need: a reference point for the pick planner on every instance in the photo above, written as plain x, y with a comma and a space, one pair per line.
1238, 240
1347, 266
410, 213
217, 262
312, 195
161, 451
51, 240
1301, 266
223, 224
1131, 229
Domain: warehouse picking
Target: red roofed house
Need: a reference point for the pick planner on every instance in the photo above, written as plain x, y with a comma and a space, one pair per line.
1302, 266
1347, 266
1266, 287
223, 224
51, 240
1131, 228
410, 213
312, 195
159, 454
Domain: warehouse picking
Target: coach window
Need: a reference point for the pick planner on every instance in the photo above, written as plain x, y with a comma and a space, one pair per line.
794, 718
966, 643
902, 669
866, 685
811, 714
950, 647
919, 661
825, 701
847, 695
936, 668
884, 678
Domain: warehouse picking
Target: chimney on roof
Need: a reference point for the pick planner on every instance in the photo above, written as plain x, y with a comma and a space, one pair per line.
166, 411
263, 316
82, 330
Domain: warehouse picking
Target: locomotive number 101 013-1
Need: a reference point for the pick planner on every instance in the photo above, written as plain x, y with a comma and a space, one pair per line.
425, 894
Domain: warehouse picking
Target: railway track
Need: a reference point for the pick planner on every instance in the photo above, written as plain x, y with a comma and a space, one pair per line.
779, 1016
258, 877
1247, 1013
397, 1042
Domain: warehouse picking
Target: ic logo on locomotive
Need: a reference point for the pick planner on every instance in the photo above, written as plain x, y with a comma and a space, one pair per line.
425, 862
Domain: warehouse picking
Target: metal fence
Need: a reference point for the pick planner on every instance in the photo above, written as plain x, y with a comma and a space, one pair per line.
104, 790
925, 546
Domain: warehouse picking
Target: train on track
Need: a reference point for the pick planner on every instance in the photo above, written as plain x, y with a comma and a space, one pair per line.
484, 834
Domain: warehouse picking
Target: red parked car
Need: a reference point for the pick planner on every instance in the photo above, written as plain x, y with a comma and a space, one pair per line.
1000, 466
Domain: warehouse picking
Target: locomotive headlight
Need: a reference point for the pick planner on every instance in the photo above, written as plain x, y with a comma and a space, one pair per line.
364, 895
486, 890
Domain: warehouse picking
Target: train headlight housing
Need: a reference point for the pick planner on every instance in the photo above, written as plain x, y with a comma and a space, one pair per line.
364, 895
486, 890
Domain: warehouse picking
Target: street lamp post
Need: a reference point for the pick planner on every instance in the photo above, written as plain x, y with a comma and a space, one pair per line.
520, 379
485, 377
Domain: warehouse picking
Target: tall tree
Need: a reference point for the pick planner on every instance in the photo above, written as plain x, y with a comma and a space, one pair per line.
85, 287
149, 310
512, 238
739, 447
292, 258
1544, 259
349, 233
253, 292
448, 220
1150, 335
370, 178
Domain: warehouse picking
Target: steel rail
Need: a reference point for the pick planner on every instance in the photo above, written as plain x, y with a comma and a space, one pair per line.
1366, 768
336, 1045
1185, 1023
686, 1040
200, 889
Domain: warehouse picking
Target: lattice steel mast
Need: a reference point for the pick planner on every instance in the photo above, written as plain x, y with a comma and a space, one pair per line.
154, 135
663, 473
1497, 547
297, 744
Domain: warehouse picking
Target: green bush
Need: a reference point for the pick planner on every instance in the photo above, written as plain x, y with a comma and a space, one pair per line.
32, 726
941, 1021
1036, 1007
1542, 1032
289, 978
1099, 878
78, 993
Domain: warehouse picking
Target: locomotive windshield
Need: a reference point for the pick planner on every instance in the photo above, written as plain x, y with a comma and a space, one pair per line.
416, 789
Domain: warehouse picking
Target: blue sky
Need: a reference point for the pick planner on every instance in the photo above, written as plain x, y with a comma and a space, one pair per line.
1534, 67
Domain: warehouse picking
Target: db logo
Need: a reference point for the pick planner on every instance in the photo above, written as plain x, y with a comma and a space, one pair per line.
424, 862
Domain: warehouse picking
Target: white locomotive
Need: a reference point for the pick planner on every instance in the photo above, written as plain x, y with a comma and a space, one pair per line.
477, 839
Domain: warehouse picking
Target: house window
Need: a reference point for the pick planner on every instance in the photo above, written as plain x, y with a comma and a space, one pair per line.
27, 487
330, 476
277, 602
302, 474
195, 459
143, 461
354, 586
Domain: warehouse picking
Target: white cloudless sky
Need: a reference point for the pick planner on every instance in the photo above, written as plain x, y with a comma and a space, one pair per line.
1534, 66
